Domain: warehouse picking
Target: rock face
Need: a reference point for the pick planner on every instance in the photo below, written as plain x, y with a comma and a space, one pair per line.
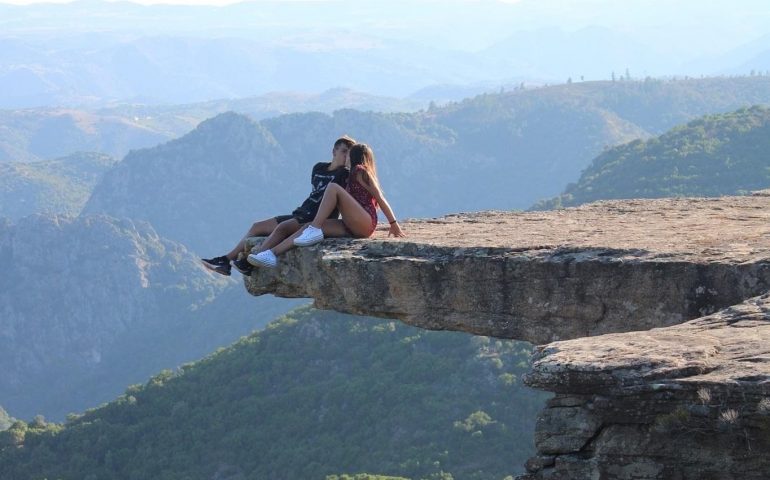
689, 400
543, 276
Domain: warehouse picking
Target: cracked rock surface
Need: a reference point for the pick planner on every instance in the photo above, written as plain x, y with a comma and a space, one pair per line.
612, 266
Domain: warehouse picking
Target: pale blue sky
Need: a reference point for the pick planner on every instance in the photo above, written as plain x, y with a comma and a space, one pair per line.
159, 2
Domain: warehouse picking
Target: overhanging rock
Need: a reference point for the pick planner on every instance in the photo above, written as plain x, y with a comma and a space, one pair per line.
606, 267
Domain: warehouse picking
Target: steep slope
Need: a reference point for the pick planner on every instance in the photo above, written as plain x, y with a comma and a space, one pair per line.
314, 394
60, 186
715, 155
92, 304
206, 188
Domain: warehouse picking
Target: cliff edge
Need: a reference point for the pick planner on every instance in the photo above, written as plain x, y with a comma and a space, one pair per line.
667, 371
606, 267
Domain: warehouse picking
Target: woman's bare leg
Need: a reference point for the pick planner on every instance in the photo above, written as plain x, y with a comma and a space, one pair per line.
353, 214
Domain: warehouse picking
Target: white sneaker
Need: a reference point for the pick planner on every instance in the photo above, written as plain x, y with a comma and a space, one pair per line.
310, 236
263, 259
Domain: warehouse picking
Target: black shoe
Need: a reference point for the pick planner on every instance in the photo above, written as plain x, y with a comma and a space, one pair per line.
243, 266
221, 265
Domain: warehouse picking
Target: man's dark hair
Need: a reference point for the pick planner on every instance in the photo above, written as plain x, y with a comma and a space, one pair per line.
349, 142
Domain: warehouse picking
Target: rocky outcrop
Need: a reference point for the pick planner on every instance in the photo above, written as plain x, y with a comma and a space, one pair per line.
690, 401
543, 276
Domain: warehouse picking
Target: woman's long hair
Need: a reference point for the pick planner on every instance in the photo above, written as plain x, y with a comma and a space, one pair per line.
362, 155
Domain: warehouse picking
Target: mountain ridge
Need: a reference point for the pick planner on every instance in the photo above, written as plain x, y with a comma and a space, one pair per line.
715, 155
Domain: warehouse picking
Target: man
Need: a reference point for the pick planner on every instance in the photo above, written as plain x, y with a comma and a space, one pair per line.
322, 175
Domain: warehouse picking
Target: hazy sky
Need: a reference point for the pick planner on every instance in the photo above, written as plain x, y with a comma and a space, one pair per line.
143, 2
415, 42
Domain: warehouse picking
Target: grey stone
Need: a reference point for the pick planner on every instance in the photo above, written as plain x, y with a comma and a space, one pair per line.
542, 276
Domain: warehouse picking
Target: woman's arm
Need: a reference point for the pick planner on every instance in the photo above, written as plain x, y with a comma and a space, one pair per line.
395, 228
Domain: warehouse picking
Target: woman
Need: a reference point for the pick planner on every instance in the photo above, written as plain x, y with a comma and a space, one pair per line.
357, 205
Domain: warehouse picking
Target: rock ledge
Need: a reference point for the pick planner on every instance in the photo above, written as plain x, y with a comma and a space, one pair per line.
606, 267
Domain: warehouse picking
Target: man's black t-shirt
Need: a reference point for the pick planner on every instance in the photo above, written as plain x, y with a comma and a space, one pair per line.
320, 178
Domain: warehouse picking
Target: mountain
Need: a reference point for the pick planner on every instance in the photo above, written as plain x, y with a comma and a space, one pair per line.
59, 186
229, 168
43, 134
92, 304
315, 394
95, 69
725, 154
494, 151
267, 105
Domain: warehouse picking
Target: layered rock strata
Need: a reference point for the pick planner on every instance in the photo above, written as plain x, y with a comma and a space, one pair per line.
606, 267
690, 401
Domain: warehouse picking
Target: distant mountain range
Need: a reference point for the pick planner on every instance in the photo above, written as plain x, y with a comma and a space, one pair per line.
92, 53
47, 133
99, 68
95, 303
35, 135
724, 154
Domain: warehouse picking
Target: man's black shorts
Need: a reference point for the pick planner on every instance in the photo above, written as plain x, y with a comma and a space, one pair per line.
299, 218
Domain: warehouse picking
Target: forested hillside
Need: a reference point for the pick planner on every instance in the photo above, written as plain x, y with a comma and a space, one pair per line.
60, 186
92, 304
315, 394
45, 134
725, 154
